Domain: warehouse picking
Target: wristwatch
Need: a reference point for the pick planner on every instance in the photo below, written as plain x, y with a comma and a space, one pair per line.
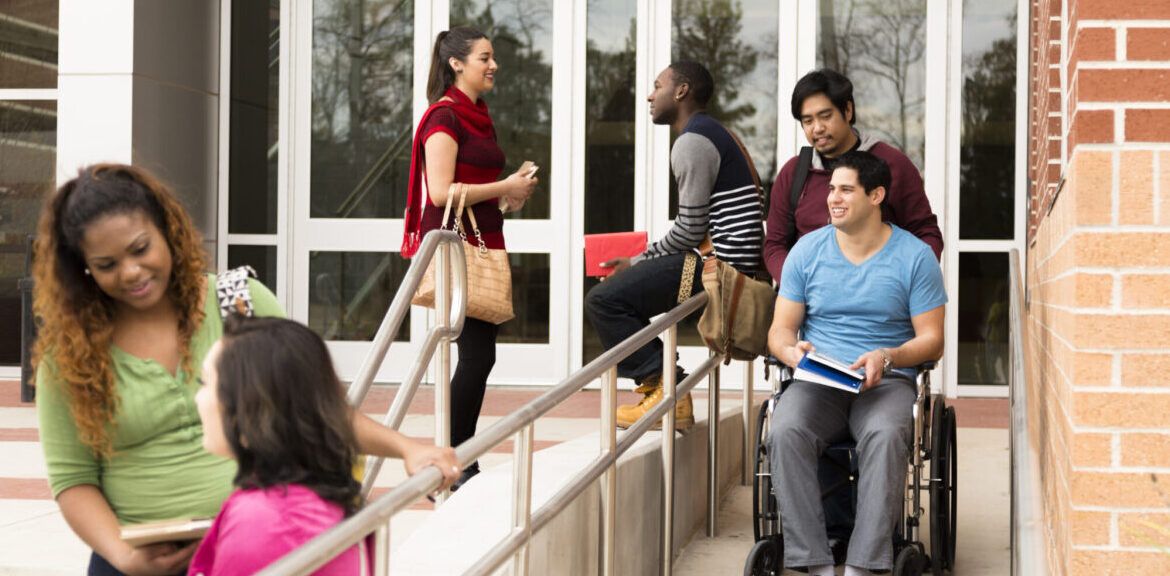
887, 362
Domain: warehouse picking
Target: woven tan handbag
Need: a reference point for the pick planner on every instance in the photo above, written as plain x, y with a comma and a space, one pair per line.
489, 274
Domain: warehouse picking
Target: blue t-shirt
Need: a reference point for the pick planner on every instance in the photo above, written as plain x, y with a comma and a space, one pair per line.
853, 309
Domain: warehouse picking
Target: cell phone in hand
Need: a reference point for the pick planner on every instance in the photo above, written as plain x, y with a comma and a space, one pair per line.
528, 169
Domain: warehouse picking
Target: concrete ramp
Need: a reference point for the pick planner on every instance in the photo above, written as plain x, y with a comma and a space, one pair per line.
474, 519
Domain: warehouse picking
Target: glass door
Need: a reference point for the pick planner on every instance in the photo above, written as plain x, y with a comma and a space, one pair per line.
359, 77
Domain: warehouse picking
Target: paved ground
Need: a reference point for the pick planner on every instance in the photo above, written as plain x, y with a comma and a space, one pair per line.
35, 540
984, 516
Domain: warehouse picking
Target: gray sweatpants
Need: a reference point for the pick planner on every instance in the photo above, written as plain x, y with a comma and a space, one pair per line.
808, 418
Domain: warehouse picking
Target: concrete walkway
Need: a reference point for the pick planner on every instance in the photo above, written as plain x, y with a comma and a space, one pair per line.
984, 516
34, 539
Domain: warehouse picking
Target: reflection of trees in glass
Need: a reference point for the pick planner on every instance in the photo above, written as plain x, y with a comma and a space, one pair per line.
708, 32
610, 105
521, 101
987, 151
255, 108
880, 45
712, 33
28, 155
361, 110
983, 318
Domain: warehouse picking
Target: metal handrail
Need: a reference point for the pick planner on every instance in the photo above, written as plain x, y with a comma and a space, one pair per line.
376, 515
1027, 518
445, 247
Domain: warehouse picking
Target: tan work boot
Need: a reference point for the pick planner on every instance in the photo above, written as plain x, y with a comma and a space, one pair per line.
684, 413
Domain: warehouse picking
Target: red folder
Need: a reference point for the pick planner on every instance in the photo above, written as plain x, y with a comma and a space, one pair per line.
604, 247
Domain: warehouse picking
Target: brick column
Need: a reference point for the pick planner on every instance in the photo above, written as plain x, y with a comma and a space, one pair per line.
1098, 266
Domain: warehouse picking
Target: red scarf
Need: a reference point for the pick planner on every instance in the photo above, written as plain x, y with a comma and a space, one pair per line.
471, 115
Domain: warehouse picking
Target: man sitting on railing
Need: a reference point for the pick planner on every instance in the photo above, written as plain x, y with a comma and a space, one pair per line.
717, 195
867, 292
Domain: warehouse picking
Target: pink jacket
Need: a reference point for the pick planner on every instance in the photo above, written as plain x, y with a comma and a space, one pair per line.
256, 527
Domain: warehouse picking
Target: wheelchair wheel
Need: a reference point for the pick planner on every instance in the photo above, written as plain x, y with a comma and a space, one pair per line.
765, 559
943, 488
765, 515
909, 562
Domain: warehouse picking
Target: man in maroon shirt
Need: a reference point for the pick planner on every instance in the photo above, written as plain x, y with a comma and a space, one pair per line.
823, 103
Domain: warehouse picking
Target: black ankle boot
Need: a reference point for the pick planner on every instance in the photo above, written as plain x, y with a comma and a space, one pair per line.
468, 474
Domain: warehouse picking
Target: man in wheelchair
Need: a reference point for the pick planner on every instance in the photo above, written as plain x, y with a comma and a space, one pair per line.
867, 292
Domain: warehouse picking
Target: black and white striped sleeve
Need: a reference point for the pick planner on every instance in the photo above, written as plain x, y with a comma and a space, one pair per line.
695, 163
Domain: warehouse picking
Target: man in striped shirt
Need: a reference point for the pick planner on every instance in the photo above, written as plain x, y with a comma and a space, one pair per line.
717, 196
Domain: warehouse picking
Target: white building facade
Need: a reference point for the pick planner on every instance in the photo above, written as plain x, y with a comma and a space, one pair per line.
286, 126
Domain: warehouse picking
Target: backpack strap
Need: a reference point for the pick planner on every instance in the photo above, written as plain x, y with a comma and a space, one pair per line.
802, 168
231, 289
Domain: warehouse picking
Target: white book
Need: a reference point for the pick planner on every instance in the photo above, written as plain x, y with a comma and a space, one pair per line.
828, 371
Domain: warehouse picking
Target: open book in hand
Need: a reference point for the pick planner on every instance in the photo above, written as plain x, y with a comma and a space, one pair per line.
165, 531
821, 369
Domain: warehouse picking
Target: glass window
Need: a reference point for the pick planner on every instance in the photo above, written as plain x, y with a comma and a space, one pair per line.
530, 298
28, 157
521, 101
349, 293
610, 103
983, 318
28, 44
737, 42
880, 46
255, 70
262, 259
988, 150
363, 69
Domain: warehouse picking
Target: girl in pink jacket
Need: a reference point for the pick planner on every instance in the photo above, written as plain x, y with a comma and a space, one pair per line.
271, 400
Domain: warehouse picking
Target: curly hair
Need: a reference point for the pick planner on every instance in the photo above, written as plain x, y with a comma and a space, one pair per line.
284, 412
76, 316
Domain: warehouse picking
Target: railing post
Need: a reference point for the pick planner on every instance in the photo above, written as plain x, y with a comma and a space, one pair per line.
381, 550
749, 424
712, 450
609, 486
522, 495
669, 380
443, 370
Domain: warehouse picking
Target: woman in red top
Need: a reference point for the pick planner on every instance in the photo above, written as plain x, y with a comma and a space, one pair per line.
456, 143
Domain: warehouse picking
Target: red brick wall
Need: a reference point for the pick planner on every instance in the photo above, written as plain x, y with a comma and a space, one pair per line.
1098, 320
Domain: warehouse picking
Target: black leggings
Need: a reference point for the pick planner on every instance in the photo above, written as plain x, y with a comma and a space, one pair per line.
477, 355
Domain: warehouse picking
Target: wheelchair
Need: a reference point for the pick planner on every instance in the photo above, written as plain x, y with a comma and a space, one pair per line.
934, 442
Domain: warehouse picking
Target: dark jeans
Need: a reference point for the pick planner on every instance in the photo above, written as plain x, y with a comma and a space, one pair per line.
624, 303
99, 567
477, 355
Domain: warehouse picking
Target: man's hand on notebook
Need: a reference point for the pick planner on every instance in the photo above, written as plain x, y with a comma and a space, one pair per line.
872, 362
791, 355
617, 264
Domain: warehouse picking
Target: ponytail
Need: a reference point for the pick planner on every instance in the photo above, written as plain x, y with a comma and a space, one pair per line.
454, 43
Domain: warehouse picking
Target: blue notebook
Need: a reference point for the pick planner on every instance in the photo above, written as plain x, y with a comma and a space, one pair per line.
821, 369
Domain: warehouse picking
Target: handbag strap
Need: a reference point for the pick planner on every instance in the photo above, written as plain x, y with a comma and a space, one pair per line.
686, 285
481, 249
729, 317
706, 249
447, 207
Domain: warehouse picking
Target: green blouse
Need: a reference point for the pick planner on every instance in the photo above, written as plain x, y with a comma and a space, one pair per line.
159, 469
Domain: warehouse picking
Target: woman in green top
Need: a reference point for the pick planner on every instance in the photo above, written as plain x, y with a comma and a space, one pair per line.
128, 313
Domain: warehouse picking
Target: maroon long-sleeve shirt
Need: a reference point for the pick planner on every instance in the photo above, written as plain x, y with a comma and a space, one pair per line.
906, 204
